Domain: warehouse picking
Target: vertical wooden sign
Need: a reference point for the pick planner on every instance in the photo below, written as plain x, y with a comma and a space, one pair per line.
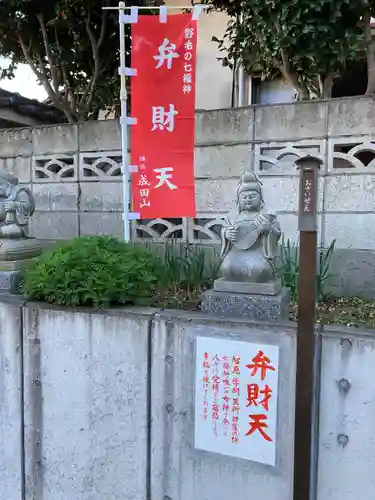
307, 225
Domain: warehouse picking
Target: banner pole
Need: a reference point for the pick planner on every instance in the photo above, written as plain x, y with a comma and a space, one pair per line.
124, 128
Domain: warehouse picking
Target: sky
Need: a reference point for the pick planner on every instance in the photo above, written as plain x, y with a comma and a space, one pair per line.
24, 83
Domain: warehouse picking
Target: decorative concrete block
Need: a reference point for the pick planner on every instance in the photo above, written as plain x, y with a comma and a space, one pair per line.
100, 135
16, 142
55, 139
222, 161
294, 121
53, 196
264, 307
20, 167
54, 225
215, 195
102, 223
224, 126
101, 196
350, 193
351, 116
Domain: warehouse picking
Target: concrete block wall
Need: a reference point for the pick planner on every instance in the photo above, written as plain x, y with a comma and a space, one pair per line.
75, 175
101, 405
181, 472
85, 405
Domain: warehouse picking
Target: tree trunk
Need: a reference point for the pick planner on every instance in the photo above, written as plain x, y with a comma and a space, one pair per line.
292, 77
326, 85
300, 87
370, 55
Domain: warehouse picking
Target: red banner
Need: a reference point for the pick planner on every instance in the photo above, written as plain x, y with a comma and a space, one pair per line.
163, 102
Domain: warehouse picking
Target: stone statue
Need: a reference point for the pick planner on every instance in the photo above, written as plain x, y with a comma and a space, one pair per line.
17, 249
249, 241
16, 207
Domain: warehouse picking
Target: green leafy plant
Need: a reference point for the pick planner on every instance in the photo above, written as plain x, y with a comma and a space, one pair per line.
94, 271
188, 269
288, 268
324, 274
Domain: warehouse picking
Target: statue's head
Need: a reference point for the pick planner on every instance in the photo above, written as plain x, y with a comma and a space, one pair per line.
249, 193
6, 180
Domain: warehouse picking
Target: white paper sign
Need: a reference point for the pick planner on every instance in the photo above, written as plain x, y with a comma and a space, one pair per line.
236, 399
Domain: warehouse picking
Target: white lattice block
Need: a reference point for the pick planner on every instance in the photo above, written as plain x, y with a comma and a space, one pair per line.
101, 166
160, 229
206, 228
278, 158
54, 168
351, 154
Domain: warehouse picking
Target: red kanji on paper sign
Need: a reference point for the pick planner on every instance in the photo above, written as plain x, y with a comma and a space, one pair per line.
258, 423
262, 363
256, 396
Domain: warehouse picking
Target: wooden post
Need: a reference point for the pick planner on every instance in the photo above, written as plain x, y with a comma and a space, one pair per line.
307, 225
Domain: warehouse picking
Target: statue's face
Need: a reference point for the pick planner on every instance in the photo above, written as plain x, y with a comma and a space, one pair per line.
249, 200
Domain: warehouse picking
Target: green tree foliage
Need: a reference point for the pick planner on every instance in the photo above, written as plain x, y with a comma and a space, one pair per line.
94, 271
308, 42
72, 47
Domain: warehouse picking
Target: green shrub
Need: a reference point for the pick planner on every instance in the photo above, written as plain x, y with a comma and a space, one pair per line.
94, 271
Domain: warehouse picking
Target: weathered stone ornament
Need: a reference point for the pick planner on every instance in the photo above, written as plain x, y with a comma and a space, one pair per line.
17, 249
248, 285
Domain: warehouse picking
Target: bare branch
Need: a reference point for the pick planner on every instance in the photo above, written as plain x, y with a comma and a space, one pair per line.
370, 54
69, 94
51, 61
87, 97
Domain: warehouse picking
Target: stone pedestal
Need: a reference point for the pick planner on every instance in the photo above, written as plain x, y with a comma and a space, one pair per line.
255, 306
16, 255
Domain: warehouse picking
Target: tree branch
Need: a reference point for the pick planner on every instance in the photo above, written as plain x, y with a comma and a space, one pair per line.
51, 61
291, 75
69, 94
370, 54
87, 97
43, 78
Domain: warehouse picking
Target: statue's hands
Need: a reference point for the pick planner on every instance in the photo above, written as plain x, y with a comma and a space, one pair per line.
231, 234
265, 224
10, 206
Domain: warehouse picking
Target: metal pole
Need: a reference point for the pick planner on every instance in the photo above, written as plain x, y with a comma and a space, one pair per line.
124, 128
304, 403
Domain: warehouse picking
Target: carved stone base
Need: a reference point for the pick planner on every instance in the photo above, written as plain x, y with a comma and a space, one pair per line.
221, 285
20, 249
263, 307
10, 281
